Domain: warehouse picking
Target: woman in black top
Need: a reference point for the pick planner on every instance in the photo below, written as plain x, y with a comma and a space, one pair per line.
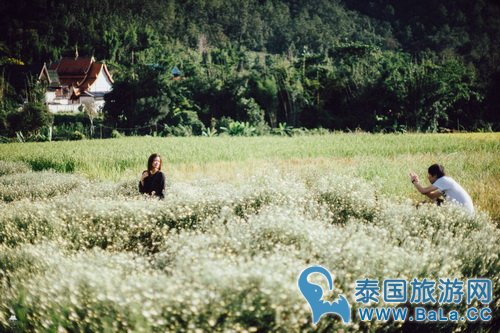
153, 180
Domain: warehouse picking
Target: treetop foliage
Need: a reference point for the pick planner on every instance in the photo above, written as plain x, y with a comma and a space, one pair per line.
378, 65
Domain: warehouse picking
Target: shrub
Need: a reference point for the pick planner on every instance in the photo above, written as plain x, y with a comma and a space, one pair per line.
179, 130
115, 134
69, 131
77, 135
32, 118
237, 128
217, 256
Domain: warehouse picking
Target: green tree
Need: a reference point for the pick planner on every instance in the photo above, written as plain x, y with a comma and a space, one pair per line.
34, 114
265, 91
137, 105
426, 92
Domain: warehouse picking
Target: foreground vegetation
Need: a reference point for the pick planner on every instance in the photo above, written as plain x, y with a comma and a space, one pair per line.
80, 250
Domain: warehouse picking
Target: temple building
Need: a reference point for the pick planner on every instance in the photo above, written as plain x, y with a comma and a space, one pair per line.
73, 81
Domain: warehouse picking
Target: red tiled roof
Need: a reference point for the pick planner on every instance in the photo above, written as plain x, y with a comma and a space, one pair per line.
72, 66
92, 74
79, 73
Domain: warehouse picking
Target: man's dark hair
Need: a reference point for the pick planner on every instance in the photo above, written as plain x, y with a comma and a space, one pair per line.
436, 170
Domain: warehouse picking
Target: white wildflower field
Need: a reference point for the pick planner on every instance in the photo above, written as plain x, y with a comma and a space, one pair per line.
82, 251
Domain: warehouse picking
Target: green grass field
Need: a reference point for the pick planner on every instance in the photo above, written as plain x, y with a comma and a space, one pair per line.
473, 159
82, 251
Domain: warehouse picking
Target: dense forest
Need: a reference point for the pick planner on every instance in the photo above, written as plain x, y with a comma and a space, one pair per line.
251, 67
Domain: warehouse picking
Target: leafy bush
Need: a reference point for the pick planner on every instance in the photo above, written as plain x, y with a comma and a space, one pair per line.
115, 134
69, 131
32, 118
190, 119
283, 129
179, 130
209, 132
237, 128
77, 135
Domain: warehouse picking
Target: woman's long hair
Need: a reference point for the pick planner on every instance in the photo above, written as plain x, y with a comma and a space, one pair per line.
151, 159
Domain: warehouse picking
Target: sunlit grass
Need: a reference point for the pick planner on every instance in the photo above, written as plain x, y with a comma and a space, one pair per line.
473, 159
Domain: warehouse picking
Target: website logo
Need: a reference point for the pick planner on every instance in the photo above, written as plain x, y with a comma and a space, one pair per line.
431, 301
395, 299
313, 294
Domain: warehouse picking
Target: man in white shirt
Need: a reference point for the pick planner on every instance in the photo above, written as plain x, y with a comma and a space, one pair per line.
443, 185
